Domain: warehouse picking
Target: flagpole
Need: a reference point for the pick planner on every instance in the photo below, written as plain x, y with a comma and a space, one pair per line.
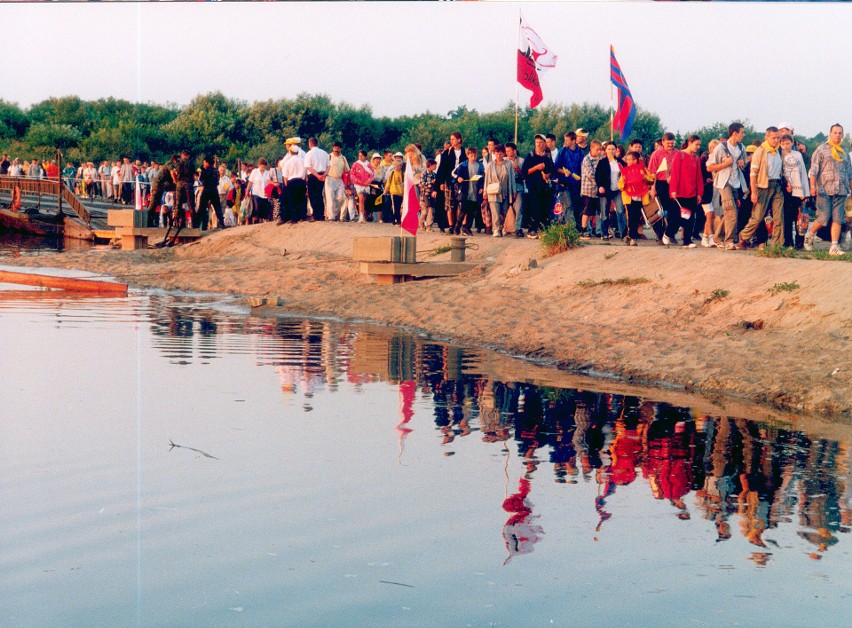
517, 85
611, 103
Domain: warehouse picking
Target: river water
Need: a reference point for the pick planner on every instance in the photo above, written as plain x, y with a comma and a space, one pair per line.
332, 474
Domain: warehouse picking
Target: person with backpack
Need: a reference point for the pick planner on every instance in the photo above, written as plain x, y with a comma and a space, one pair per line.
726, 164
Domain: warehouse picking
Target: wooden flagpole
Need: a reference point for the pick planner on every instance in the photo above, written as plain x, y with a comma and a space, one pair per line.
611, 102
517, 85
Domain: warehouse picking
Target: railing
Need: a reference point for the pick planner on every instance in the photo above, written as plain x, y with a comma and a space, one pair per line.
46, 187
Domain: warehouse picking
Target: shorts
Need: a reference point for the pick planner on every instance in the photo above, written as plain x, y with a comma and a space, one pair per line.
830, 209
591, 206
362, 189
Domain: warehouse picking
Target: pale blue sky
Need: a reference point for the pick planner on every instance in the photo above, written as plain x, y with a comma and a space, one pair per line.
714, 62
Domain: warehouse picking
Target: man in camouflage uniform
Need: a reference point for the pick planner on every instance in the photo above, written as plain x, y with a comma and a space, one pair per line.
182, 175
163, 182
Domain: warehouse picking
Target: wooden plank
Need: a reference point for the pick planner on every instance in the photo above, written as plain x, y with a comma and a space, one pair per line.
422, 269
156, 232
72, 284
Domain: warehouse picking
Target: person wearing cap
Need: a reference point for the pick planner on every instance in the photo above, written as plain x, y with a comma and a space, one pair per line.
796, 187
831, 183
335, 192
766, 194
373, 203
395, 186
538, 167
316, 165
294, 205
582, 140
785, 128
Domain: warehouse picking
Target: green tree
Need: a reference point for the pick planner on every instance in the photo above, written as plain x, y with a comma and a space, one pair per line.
210, 123
13, 121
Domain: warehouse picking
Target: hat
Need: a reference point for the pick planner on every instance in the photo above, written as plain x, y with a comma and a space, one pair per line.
400, 155
293, 140
540, 136
785, 125
375, 156
751, 148
581, 132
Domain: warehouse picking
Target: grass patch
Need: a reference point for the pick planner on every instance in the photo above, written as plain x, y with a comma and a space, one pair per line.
717, 295
558, 238
778, 250
784, 286
621, 281
786, 251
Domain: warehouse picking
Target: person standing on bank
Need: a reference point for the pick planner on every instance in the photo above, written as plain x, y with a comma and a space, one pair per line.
316, 165
766, 191
209, 178
183, 177
831, 182
538, 166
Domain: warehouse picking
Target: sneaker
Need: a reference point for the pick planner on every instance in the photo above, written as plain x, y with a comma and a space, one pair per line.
666, 240
519, 234
497, 234
835, 250
809, 241
532, 235
731, 247
467, 232
691, 245
705, 241
585, 236
633, 242
627, 240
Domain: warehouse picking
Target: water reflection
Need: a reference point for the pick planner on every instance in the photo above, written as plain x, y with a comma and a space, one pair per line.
746, 477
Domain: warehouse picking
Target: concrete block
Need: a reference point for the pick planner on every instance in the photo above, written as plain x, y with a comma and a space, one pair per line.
126, 218
385, 249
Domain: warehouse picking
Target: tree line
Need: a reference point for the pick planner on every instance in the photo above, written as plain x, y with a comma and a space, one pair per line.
234, 129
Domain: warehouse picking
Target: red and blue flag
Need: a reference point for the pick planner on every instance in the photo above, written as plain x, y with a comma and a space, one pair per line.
626, 111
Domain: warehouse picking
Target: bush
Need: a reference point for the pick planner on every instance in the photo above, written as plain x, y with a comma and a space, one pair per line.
558, 238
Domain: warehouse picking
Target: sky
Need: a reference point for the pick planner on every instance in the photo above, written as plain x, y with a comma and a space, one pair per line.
693, 64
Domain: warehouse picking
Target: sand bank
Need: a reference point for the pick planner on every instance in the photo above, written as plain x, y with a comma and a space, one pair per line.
706, 320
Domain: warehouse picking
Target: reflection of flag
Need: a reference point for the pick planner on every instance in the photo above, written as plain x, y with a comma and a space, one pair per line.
534, 57
410, 203
406, 412
626, 110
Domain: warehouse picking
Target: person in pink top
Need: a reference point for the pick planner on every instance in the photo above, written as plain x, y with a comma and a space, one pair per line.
659, 165
686, 185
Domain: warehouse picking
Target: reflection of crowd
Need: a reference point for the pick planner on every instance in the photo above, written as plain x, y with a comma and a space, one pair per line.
763, 475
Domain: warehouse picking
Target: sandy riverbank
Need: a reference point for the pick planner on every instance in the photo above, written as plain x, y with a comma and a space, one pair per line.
665, 329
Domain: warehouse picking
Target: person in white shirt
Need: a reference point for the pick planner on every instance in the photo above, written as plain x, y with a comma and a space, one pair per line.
335, 191
257, 182
294, 198
316, 165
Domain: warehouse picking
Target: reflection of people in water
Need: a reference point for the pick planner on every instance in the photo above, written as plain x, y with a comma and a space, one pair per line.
519, 531
668, 464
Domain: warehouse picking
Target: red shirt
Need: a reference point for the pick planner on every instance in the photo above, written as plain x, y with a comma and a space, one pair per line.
685, 178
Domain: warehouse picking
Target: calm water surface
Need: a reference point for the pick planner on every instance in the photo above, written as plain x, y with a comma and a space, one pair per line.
331, 474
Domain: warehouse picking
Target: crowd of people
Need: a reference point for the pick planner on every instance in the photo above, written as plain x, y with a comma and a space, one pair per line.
729, 196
